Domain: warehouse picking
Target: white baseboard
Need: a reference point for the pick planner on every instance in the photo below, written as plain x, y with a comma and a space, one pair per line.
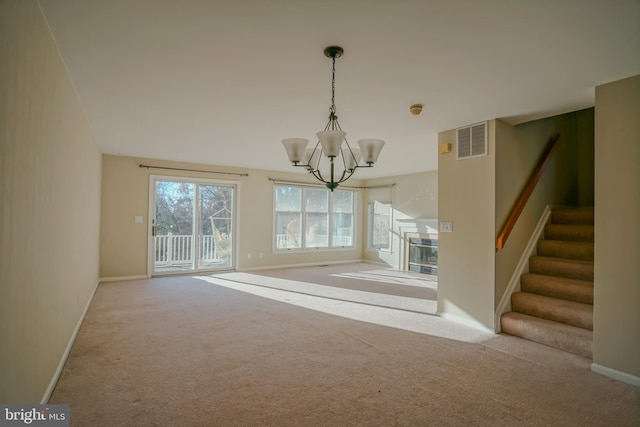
380, 263
616, 375
522, 267
123, 278
472, 323
67, 350
306, 264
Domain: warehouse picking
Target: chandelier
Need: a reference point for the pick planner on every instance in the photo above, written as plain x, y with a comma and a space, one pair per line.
330, 145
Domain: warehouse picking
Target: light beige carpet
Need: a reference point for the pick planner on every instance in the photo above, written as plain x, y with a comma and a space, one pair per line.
241, 349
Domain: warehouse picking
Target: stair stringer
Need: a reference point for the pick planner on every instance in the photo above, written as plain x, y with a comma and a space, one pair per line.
521, 268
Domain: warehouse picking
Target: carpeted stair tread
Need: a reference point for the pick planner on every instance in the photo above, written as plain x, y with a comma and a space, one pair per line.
556, 309
576, 232
571, 269
558, 335
566, 249
555, 305
558, 287
572, 216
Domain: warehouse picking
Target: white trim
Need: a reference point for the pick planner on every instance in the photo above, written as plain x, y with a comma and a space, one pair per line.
150, 224
236, 226
468, 322
412, 225
67, 350
153, 179
521, 268
380, 263
616, 375
304, 264
123, 278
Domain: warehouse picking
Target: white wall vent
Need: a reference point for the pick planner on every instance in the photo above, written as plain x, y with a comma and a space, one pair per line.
471, 141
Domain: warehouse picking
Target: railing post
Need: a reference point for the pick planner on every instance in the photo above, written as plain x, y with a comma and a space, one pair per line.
169, 247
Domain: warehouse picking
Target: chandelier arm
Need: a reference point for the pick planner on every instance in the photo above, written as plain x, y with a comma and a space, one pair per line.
319, 157
368, 165
353, 156
317, 174
344, 162
343, 178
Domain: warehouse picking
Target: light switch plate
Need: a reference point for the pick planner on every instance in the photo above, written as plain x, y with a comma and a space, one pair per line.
138, 220
446, 226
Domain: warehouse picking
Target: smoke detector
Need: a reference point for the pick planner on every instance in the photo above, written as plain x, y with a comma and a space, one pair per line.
415, 109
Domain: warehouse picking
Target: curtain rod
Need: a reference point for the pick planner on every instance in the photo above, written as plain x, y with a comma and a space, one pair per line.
192, 170
312, 184
381, 186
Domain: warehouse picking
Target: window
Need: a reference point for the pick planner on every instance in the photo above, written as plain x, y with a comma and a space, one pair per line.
192, 224
379, 226
313, 218
342, 219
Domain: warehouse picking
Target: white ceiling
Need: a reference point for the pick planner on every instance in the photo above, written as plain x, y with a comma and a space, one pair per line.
223, 82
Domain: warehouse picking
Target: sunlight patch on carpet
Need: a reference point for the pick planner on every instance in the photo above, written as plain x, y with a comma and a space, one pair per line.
387, 276
355, 305
419, 305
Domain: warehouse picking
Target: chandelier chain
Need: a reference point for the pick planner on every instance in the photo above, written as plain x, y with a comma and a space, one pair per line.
332, 110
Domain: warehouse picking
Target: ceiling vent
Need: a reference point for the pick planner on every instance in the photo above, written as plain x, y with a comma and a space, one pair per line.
472, 141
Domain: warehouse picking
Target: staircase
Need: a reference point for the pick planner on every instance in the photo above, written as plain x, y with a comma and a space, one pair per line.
555, 304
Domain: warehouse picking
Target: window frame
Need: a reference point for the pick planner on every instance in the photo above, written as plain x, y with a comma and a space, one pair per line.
303, 215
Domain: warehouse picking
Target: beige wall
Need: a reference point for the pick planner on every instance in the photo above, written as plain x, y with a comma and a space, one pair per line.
466, 197
125, 195
50, 191
414, 197
616, 332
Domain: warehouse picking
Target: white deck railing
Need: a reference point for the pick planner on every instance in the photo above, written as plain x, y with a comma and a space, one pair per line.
176, 249
287, 241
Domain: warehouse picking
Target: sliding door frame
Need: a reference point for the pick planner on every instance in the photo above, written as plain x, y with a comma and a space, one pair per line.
196, 226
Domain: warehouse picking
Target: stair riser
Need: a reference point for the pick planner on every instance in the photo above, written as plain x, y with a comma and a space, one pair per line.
558, 287
578, 233
561, 268
567, 312
577, 343
572, 216
582, 251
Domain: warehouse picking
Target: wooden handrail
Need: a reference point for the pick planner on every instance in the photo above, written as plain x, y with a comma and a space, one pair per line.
525, 194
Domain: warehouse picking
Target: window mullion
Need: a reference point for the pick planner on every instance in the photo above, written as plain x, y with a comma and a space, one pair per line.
303, 220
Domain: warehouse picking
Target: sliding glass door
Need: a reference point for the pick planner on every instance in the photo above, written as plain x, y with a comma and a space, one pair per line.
192, 225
